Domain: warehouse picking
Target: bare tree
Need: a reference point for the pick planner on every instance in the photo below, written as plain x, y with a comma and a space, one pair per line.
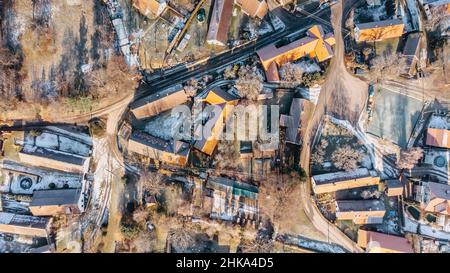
144, 242
318, 156
230, 72
387, 65
409, 158
291, 73
278, 195
191, 87
249, 83
117, 78
151, 182
227, 156
439, 15
140, 215
346, 158
256, 246
181, 238
9, 78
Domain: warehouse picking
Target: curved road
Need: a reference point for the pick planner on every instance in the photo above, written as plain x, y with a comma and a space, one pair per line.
344, 96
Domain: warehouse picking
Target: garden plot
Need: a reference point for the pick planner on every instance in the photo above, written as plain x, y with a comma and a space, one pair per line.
336, 142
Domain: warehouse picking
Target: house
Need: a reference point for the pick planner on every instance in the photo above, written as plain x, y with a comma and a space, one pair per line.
42, 157
173, 152
66, 149
253, 8
295, 124
24, 179
207, 134
159, 102
411, 53
150, 8
218, 96
56, 202
332, 182
376, 242
394, 187
377, 31
24, 224
438, 138
232, 200
360, 211
435, 197
316, 45
220, 22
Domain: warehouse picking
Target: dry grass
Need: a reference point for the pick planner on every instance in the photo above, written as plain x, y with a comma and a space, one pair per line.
42, 50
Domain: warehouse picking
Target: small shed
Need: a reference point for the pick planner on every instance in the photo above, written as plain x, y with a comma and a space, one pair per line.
394, 187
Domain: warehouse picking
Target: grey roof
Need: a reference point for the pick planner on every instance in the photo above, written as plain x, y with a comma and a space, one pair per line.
394, 183
411, 51
239, 188
213, 118
412, 45
360, 205
439, 190
58, 156
378, 24
23, 220
329, 178
180, 148
55, 197
157, 96
293, 121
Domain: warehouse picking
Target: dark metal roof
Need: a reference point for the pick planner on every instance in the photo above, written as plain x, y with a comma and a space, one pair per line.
55, 197
412, 44
378, 24
58, 156
158, 95
23, 220
238, 188
179, 147
360, 205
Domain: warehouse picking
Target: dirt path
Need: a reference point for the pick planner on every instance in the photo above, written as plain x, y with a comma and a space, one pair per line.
343, 96
113, 233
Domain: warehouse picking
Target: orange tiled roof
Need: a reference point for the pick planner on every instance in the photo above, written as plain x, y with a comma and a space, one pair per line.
438, 137
316, 44
376, 31
254, 8
146, 7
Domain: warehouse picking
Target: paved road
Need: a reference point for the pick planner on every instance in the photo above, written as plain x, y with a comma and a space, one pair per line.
295, 26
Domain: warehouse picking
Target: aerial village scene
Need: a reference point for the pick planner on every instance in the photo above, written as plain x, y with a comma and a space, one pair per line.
224, 126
